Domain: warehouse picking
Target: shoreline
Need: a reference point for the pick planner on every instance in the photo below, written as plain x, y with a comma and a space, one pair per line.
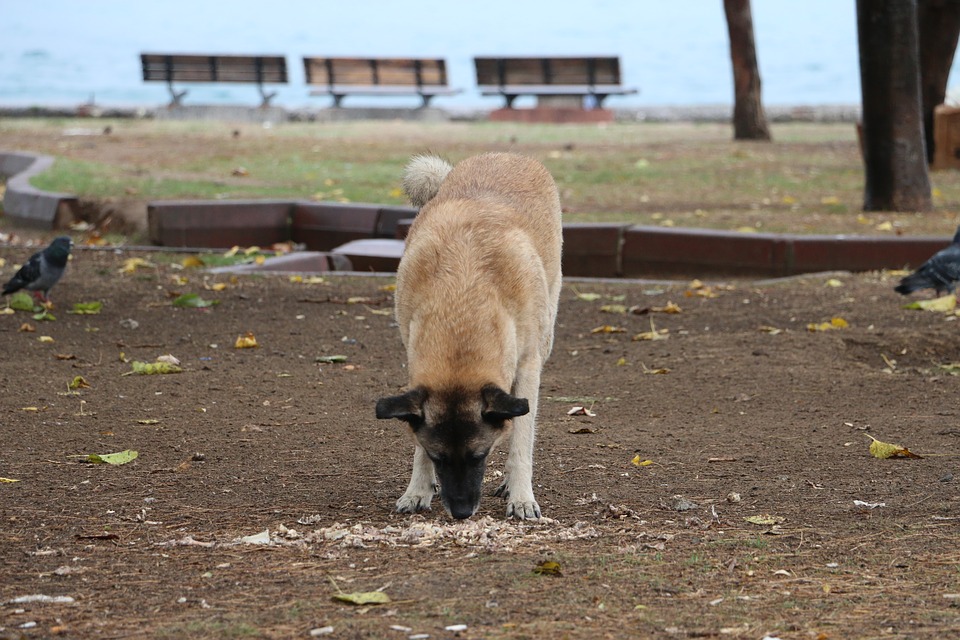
715, 113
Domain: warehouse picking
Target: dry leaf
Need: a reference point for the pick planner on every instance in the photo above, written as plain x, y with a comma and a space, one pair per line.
637, 462
768, 329
248, 341
363, 598
78, 383
884, 450
130, 265
607, 328
192, 262
653, 334
670, 307
944, 304
835, 323
548, 568
581, 411
613, 308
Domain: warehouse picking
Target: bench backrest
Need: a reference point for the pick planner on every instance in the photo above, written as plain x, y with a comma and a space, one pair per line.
376, 71
540, 71
199, 68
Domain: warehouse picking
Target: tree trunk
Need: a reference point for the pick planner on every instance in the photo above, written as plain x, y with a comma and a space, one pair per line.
894, 153
749, 119
938, 23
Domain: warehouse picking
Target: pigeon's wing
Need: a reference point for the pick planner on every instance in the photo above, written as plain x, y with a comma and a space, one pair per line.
28, 274
943, 269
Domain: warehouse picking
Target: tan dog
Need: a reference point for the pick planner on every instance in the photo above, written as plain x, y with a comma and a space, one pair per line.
476, 302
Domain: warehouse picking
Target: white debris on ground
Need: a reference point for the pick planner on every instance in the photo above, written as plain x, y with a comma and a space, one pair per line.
481, 533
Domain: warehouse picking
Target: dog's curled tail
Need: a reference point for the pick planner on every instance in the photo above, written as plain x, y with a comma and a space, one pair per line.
422, 178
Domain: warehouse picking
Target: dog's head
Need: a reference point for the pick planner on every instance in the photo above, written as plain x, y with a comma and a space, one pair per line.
457, 428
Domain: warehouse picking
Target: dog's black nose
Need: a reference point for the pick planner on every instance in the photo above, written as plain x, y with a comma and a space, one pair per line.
462, 511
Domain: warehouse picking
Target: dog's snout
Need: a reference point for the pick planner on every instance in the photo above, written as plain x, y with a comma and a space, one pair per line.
462, 510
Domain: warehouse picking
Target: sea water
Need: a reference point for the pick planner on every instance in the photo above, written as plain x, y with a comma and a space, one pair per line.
66, 52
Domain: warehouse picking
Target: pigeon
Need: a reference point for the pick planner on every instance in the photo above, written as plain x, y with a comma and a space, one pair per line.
42, 270
941, 272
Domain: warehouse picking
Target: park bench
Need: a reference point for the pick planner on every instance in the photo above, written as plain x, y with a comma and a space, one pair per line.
172, 68
339, 77
555, 81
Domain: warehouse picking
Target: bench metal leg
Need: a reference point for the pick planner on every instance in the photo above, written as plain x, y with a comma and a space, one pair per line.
266, 97
510, 100
426, 101
176, 97
337, 99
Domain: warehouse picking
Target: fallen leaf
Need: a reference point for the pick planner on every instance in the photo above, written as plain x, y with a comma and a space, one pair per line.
148, 421
248, 341
192, 262
945, 304
884, 450
26, 327
582, 430
608, 328
86, 308
833, 282
44, 316
8, 480
587, 297
169, 359
548, 568
638, 462
835, 323
768, 329
330, 359
21, 301
118, 458
653, 334
581, 411
363, 597
130, 265
216, 286
46, 339
670, 307
613, 308
152, 368
78, 383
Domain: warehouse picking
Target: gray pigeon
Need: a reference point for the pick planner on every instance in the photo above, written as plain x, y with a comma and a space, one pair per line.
42, 270
941, 272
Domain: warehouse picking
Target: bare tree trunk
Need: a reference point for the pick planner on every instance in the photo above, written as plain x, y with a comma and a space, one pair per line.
749, 119
895, 160
938, 22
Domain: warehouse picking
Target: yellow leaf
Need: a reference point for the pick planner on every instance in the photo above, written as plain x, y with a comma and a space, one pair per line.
46, 339
78, 383
641, 463
945, 303
884, 450
833, 282
765, 519
193, 262
7, 480
296, 279
130, 265
26, 327
232, 252
613, 308
32, 409
830, 200
216, 286
249, 251
621, 362
768, 329
248, 341
152, 368
7, 311
747, 229
260, 259
389, 288
363, 598
608, 328
670, 307
548, 568
884, 226
835, 323
653, 334
788, 200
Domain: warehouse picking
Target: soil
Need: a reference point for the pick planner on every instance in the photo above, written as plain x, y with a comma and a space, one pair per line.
739, 408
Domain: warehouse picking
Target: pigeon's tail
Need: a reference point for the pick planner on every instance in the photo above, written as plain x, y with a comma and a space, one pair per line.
422, 178
916, 282
13, 286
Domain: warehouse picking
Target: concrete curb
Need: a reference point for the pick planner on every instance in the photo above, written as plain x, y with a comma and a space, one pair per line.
28, 205
369, 236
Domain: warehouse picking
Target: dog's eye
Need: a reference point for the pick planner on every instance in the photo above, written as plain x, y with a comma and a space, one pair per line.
479, 456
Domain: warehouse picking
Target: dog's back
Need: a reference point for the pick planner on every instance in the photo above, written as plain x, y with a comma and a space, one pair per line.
489, 241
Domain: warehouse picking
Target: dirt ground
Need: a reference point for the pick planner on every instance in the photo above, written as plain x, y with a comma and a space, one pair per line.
740, 409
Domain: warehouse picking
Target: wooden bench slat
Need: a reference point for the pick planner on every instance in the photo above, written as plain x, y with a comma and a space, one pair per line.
426, 77
597, 76
172, 68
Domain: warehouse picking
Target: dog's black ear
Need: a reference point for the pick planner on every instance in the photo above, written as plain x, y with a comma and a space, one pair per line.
500, 405
407, 407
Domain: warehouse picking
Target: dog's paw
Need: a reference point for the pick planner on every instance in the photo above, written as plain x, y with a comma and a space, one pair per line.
413, 503
523, 510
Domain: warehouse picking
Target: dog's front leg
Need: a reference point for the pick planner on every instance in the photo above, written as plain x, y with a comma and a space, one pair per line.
422, 487
517, 487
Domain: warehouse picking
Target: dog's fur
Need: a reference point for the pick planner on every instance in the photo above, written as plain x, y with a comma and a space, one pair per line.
476, 301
